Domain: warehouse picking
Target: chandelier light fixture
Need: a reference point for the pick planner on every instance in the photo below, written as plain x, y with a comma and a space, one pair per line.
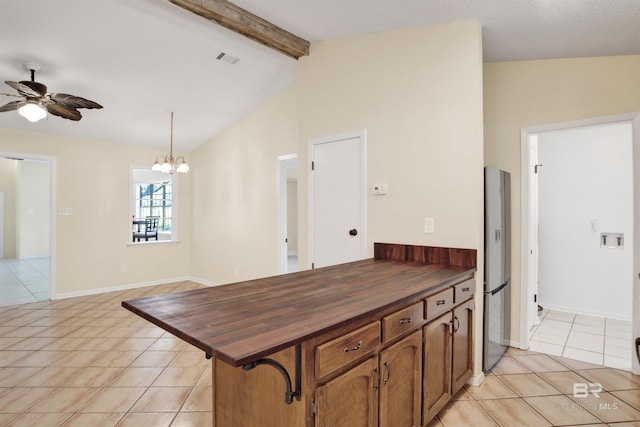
169, 164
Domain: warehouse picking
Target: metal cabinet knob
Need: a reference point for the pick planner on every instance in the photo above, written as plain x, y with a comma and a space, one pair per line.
353, 232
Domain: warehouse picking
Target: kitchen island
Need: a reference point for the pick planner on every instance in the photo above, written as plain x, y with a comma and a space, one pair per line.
340, 345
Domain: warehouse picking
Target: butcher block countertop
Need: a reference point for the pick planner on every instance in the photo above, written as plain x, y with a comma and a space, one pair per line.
242, 322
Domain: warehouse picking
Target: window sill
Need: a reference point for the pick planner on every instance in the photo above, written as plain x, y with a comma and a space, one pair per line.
153, 243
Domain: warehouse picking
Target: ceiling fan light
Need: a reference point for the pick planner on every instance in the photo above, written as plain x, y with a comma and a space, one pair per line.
32, 112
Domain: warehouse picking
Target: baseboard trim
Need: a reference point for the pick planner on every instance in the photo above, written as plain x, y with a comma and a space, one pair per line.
577, 310
96, 291
476, 380
204, 282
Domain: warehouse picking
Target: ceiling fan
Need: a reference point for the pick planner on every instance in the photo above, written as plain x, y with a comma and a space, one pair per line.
37, 101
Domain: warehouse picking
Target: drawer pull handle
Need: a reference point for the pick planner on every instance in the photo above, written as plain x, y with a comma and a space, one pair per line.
376, 386
357, 347
405, 320
440, 302
465, 289
386, 367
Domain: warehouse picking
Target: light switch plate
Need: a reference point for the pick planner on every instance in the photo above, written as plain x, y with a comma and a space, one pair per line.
429, 225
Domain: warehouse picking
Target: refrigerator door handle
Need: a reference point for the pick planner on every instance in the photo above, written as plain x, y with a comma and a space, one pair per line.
499, 288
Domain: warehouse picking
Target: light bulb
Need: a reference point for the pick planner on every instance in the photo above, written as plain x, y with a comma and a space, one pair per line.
183, 168
32, 112
166, 167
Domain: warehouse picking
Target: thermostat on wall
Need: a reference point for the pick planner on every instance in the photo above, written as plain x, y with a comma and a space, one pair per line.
380, 189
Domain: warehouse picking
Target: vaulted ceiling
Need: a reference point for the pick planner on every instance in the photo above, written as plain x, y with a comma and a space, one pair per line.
142, 59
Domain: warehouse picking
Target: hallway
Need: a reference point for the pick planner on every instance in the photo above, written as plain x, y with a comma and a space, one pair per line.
589, 339
24, 281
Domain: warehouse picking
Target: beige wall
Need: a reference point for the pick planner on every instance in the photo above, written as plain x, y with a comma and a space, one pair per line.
34, 208
418, 94
532, 93
235, 203
92, 178
8, 186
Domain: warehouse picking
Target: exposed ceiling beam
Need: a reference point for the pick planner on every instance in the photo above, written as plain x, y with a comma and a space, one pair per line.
246, 23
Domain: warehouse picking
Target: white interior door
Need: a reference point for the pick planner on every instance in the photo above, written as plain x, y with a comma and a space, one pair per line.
337, 194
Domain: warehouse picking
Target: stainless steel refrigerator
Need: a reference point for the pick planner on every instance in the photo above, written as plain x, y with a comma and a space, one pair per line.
497, 265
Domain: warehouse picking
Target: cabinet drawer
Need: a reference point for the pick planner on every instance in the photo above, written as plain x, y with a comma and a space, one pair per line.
341, 351
438, 303
402, 321
464, 290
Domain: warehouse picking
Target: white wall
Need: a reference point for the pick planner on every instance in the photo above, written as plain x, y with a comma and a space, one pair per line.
525, 94
292, 215
585, 183
34, 207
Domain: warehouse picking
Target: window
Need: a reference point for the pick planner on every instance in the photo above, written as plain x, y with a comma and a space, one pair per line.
152, 211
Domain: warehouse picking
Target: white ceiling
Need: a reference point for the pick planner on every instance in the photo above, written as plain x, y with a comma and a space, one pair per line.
142, 59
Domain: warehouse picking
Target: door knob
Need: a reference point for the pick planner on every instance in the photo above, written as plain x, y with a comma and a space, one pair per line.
353, 232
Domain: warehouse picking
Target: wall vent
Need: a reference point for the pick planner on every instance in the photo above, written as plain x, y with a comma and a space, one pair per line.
225, 57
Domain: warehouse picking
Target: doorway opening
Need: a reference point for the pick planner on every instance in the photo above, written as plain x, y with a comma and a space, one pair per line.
577, 294
288, 213
27, 224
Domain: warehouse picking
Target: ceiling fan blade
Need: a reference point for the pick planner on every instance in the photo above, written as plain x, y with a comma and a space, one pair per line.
64, 111
11, 106
29, 89
73, 101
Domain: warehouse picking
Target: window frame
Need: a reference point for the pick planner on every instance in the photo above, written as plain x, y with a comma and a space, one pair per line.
133, 197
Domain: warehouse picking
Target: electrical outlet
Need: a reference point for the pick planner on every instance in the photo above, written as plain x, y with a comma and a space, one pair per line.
429, 225
123, 268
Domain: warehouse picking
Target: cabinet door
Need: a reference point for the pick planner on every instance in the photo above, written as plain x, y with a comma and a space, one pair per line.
462, 361
350, 399
437, 365
401, 383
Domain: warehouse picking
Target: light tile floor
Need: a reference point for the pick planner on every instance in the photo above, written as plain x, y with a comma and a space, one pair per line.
87, 361
590, 339
532, 389
24, 280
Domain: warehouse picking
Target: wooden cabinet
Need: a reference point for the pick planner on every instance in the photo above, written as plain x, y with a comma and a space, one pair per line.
437, 366
348, 348
401, 322
383, 391
438, 303
357, 344
401, 383
350, 399
462, 358
448, 346
386, 389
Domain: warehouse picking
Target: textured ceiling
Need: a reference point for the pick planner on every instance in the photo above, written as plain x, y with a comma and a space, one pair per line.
142, 59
